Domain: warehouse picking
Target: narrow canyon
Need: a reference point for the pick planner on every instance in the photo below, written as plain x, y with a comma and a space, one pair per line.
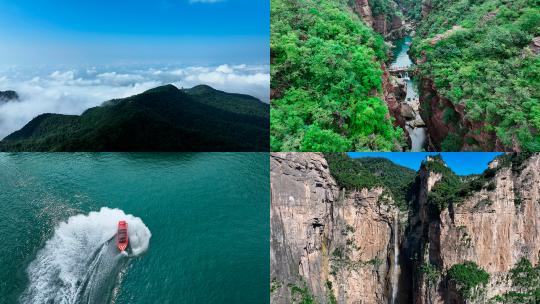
432, 243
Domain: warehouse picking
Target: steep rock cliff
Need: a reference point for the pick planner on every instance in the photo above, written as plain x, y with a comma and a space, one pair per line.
335, 246
394, 92
331, 245
443, 118
388, 23
494, 228
362, 8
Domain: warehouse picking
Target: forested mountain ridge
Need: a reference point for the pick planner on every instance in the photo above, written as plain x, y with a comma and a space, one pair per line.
368, 172
161, 119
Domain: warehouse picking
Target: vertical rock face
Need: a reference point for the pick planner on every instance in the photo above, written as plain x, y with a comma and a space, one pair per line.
495, 228
394, 91
337, 246
380, 25
335, 243
442, 118
433, 114
302, 194
390, 26
362, 8
416, 246
492, 228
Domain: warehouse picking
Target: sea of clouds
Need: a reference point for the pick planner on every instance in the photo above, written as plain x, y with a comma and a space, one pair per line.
71, 91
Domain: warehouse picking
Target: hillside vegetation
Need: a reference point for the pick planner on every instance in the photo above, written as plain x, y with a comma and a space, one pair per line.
326, 80
369, 172
485, 63
451, 189
160, 119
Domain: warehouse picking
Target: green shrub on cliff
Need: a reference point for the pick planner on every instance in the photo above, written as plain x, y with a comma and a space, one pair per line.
526, 281
381, 7
326, 80
487, 66
412, 7
469, 279
514, 160
446, 190
431, 273
331, 297
301, 295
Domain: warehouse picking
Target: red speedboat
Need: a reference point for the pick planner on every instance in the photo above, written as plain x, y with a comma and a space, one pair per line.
122, 236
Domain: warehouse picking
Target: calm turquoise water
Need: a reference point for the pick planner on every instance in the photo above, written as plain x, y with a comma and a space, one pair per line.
401, 50
207, 214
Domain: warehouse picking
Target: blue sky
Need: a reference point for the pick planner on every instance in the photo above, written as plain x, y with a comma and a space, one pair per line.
462, 163
71, 32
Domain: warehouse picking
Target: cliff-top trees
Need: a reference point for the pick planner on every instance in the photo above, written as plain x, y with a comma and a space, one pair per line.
359, 173
326, 80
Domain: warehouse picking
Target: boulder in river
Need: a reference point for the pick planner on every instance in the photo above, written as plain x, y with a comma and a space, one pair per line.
416, 123
407, 111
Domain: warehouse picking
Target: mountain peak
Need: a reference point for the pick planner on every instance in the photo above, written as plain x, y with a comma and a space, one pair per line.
8, 95
168, 88
201, 89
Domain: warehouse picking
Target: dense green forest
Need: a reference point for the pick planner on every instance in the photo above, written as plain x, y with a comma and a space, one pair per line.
326, 80
485, 65
326, 73
369, 172
160, 119
412, 8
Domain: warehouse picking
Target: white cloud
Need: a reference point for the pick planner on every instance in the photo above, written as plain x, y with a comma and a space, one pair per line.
63, 76
73, 91
224, 68
120, 79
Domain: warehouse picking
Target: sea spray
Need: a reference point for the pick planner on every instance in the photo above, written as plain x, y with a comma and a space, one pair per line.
80, 263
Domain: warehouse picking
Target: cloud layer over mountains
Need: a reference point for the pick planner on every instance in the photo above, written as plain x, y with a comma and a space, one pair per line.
71, 91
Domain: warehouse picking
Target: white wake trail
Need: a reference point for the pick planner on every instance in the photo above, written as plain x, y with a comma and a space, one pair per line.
80, 263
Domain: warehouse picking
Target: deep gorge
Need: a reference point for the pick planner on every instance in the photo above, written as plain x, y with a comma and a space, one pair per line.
476, 68
404, 91
457, 239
